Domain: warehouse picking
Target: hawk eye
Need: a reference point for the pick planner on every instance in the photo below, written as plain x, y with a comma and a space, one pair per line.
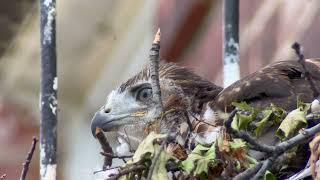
144, 94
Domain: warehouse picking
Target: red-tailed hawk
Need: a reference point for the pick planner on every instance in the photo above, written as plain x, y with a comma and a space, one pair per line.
130, 108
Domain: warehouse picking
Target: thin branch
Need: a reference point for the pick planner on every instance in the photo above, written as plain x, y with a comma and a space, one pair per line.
127, 139
110, 155
248, 173
127, 171
265, 166
258, 170
28, 160
105, 147
154, 71
201, 121
186, 144
186, 114
102, 170
298, 50
154, 55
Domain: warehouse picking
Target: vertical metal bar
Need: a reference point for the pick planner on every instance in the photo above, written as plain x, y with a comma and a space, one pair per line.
231, 56
48, 90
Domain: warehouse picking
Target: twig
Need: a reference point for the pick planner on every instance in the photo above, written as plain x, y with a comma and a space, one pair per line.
265, 166
127, 139
154, 71
114, 156
102, 170
127, 171
201, 121
186, 114
298, 50
28, 160
105, 147
155, 84
248, 173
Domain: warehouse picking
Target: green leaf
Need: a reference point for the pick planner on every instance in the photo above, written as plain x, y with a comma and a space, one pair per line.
241, 121
293, 122
252, 161
188, 165
303, 106
238, 166
147, 150
199, 159
147, 147
243, 106
278, 113
269, 176
261, 124
211, 153
191, 162
202, 166
237, 143
160, 171
199, 149
203, 176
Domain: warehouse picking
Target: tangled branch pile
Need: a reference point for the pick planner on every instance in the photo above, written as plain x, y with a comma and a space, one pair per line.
231, 155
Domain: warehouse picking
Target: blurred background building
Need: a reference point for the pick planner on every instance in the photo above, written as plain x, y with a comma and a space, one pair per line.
103, 42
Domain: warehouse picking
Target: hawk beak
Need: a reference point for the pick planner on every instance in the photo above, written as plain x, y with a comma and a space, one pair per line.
107, 121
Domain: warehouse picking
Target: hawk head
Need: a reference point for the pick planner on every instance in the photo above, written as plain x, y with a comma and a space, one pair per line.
130, 107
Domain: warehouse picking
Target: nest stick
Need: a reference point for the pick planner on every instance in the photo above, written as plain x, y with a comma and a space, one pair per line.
105, 146
298, 50
154, 55
28, 159
126, 171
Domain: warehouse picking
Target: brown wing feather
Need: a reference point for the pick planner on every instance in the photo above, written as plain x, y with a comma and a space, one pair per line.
279, 83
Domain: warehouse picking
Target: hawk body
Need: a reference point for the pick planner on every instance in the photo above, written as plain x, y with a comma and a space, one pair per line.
280, 83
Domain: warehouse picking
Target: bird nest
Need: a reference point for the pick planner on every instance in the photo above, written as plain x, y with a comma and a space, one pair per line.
232, 154
230, 150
